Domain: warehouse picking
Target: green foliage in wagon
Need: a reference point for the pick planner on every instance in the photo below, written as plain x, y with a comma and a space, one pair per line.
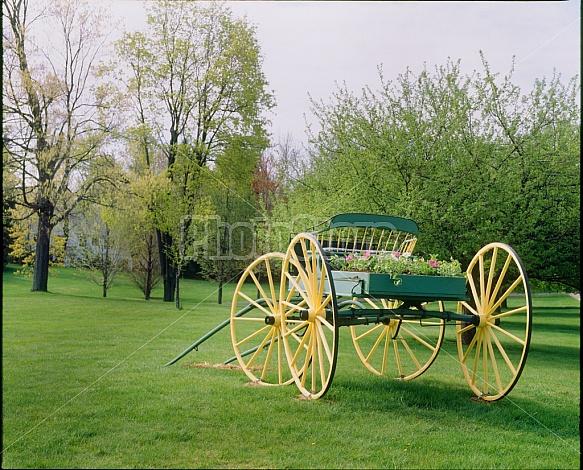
395, 263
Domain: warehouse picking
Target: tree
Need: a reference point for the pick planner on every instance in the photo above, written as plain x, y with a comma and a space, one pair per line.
136, 223
9, 185
55, 124
101, 253
469, 157
20, 239
280, 171
145, 272
196, 77
540, 134
232, 243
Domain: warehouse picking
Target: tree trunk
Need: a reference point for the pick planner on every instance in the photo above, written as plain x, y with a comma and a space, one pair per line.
149, 267
167, 270
148, 287
40, 278
177, 282
66, 234
220, 294
105, 263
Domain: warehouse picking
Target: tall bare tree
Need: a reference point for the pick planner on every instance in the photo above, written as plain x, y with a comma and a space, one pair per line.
54, 119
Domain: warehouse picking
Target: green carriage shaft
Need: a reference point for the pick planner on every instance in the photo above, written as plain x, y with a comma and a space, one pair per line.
288, 307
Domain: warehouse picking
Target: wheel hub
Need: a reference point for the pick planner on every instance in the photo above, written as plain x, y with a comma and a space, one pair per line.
483, 320
273, 320
309, 315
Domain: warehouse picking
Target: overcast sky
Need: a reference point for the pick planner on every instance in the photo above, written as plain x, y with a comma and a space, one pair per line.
308, 46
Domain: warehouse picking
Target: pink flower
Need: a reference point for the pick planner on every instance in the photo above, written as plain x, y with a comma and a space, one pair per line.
433, 263
366, 254
349, 257
396, 254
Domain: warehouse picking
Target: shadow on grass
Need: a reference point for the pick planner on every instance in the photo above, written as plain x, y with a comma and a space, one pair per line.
556, 311
435, 399
109, 298
557, 355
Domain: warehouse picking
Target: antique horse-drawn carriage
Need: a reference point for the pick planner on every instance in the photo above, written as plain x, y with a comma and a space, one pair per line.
288, 307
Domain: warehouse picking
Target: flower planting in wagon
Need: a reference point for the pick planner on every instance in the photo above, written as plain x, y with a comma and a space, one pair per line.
395, 263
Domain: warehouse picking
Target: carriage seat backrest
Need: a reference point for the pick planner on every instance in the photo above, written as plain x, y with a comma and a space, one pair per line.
356, 232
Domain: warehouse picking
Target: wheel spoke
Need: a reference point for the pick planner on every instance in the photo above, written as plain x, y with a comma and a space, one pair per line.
476, 297
280, 358
324, 304
491, 273
270, 280
501, 278
507, 293
418, 339
325, 322
508, 313
297, 287
468, 307
309, 354
300, 324
503, 354
375, 345
305, 263
470, 347
255, 303
510, 335
260, 289
494, 365
259, 349
293, 307
411, 355
322, 336
478, 338
321, 343
314, 269
370, 331
253, 335
482, 282
485, 362
272, 340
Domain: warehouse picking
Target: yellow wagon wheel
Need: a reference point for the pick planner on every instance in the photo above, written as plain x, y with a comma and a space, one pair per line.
310, 321
493, 353
412, 345
256, 322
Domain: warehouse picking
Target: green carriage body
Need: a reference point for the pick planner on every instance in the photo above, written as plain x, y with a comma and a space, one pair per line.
404, 287
352, 233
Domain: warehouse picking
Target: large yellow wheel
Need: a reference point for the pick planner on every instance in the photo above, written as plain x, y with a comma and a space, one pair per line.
256, 322
493, 352
310, 321
412, 345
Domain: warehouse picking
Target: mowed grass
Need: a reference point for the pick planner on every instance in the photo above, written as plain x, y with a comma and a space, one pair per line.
85, 386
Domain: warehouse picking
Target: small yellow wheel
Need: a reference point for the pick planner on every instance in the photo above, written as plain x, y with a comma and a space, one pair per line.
493, 351
310, 321
256, 322
411, 344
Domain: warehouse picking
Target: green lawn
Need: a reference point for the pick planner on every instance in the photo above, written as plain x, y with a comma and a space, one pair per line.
85, 386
